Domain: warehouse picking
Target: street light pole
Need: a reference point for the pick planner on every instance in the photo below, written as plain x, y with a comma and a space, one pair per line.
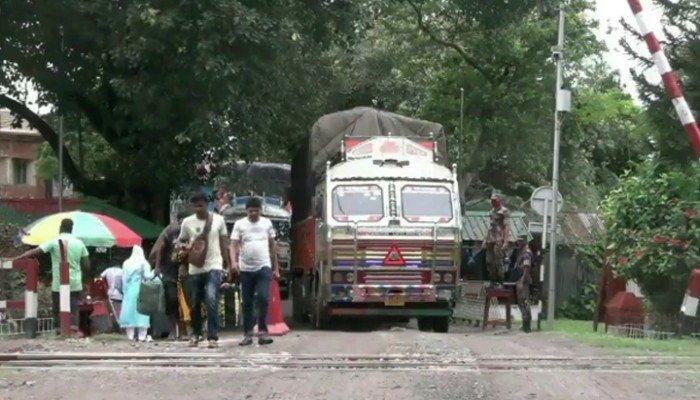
559, 107
60, 164
60, 149
461, 125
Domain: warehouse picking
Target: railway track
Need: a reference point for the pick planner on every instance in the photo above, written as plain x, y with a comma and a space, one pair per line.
388, 362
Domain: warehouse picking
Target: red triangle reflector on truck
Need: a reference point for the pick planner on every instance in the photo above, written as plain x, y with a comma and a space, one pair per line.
394, 257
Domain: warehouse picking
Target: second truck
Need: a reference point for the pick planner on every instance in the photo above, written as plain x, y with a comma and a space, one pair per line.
376, 221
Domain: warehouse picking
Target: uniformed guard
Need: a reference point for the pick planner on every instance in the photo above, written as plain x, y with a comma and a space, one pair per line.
497, 240
524, 267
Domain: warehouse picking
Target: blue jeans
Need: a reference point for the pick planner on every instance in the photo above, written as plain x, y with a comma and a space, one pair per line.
205, 287
252, 283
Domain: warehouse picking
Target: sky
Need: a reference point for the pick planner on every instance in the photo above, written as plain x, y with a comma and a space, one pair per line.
609, 13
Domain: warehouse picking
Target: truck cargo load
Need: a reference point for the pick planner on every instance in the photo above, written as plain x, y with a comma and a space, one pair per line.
324, 142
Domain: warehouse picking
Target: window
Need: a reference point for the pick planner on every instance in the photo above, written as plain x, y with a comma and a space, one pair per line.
20, 171
358, 203
426, 203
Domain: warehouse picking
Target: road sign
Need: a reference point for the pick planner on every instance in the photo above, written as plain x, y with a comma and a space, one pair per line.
542, 199
537, 228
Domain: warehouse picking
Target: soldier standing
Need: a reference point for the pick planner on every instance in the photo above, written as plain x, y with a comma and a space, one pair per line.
497, 240
524, 267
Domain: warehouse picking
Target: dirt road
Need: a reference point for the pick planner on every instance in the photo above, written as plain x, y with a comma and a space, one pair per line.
396, 362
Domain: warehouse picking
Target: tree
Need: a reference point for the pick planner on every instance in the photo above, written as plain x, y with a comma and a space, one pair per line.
167, 84
682, 47
416, 55
652, 225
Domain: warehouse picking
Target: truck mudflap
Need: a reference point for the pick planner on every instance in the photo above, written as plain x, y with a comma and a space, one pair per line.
439, 309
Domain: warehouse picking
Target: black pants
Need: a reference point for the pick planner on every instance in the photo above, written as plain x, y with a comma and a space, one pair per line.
172, 308
74, 311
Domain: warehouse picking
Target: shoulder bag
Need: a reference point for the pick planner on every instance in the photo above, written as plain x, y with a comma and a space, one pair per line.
198, 250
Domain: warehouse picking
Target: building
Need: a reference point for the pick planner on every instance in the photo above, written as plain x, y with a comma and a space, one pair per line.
19, 150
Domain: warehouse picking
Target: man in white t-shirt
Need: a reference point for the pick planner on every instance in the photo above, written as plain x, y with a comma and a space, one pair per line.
204, 281
254, 256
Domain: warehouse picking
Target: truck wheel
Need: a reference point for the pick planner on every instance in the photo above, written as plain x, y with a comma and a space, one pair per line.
441, 324
425, 324
284, 292
298, 313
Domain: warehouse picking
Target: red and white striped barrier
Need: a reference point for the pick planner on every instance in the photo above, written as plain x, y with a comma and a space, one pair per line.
31, 298
689, 308
64, 292
671, 85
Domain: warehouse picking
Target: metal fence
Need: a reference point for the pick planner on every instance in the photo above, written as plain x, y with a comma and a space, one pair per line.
638, 332
471, 301
15, 327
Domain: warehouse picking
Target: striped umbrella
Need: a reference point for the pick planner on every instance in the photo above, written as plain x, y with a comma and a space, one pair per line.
93, 229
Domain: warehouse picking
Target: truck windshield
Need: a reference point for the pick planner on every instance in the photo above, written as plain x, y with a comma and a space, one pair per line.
363, 202
426, 203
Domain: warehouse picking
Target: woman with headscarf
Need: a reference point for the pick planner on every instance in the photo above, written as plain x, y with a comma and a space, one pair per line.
135, 269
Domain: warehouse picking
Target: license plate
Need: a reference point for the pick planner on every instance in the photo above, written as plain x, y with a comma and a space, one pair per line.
395, 302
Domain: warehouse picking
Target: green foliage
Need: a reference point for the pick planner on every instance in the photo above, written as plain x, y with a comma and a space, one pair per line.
157, 87
653, 225
416, 55
169, 84
682, 47
94, 156
580, 306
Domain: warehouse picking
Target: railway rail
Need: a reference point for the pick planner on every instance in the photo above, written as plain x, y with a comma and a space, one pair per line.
380, 362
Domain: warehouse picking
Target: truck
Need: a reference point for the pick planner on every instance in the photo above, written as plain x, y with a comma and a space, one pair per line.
375, 221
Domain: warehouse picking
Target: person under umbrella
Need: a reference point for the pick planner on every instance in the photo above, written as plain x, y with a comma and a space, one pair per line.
135, 269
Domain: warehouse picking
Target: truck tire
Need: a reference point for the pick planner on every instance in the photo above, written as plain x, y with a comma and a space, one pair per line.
284, 292
441, 324
425, 324
298, 309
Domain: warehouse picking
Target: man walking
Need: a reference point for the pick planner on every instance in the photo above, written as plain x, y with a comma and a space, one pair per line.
523, 266
254, 255
497, 239
78, 261
169, 269
205, 233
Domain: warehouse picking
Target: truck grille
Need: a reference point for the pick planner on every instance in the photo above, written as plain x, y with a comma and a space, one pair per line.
396, 277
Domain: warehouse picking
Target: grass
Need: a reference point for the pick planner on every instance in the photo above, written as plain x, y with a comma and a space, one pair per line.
582, 331
108, 337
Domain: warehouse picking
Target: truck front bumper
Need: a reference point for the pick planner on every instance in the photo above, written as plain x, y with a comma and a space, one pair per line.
390, 300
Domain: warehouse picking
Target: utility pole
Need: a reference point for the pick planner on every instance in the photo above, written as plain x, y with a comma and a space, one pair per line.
461, 126
60, 149
562, 104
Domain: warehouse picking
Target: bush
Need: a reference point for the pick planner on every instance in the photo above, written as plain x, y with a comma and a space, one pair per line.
653, 229
580, 306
